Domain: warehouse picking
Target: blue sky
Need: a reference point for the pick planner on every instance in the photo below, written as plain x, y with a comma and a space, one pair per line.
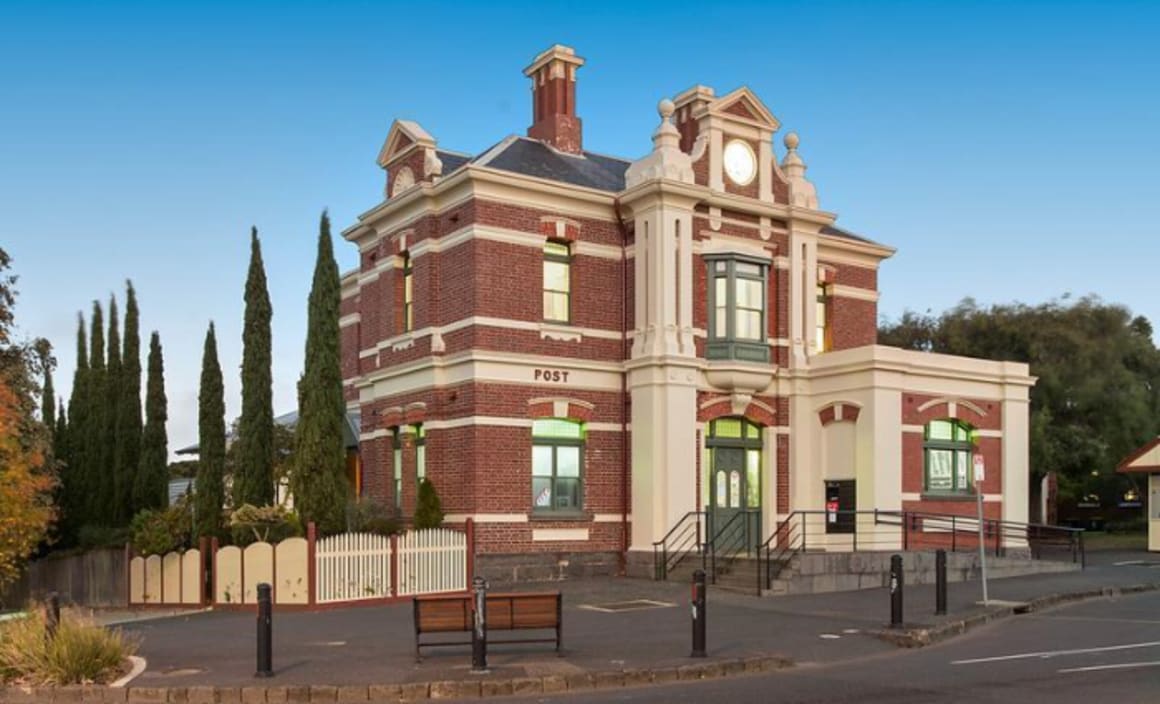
1007, 150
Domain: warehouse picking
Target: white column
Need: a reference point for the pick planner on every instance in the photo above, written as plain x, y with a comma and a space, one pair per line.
1016, 458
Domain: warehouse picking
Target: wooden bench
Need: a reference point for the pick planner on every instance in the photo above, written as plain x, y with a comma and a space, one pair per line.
453, 613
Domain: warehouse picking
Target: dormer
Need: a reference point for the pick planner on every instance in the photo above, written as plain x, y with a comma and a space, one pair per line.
409, 156
730, 140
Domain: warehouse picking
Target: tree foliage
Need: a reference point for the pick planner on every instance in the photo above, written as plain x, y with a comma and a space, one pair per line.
209, 491
151, 484
93, 447
1097, 396
111, 511
253, 473
26, 478
127, 441
428, 507
318, 481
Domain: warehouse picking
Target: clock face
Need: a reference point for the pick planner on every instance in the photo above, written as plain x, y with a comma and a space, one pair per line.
740, 163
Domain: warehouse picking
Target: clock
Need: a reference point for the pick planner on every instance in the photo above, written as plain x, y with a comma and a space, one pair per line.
740, 162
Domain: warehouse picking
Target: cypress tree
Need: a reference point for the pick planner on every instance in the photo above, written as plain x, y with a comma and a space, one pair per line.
48, 401
95, 407
128, 438
73, 488
209, 492
318, 480
60, 431
254, 469
151, 488
111, 480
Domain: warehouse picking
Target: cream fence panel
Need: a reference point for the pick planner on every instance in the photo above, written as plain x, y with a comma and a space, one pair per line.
152, 580
290, 566
137, 580
257, 567
190, 577
227, 588
171, 578
432, 560
352, 567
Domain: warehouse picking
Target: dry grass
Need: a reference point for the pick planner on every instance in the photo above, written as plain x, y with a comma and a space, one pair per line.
81, 652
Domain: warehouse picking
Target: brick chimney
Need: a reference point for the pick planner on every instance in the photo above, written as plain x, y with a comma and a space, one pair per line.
553, 74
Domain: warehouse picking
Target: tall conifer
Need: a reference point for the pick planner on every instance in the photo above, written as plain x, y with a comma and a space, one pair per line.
112, 481
95, 407
318, 480
151, 488
128, 437
211, 431
73, 488
254, 468
48, 401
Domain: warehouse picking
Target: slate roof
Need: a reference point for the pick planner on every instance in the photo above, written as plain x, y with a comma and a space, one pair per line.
350, 430
534, 158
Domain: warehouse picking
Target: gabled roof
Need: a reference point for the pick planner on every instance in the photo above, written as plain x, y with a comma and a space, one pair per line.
531, 157
1145, 459
402, 135
350, 431
745, 104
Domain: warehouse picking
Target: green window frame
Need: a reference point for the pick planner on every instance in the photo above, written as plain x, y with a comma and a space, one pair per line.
733, 431
420, 453
557, 282
738, 301
948, 465
408, 293
557, 466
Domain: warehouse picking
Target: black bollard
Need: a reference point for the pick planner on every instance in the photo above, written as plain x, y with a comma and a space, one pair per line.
940, 582
698, 614
895, 591
51, 616
265, 632
479, 627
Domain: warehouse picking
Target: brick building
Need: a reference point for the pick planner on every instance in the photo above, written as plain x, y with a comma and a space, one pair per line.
579, 349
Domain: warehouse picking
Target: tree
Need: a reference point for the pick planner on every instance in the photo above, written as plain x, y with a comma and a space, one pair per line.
94, 473
151, 486
318, 481
48, 400
26, 479
112, 484
127, 455
253, 473
71, 445
428, 508
209, 492
1097, 396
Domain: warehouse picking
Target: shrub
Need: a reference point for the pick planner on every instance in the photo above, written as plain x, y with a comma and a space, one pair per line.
90, 536
371, 517
271, 524
158, 532
81, 652
428, 510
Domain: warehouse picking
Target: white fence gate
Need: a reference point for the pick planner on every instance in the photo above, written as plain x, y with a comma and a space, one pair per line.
432, 560
352, 567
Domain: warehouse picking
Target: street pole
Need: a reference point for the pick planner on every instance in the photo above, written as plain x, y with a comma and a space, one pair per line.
479, 629
940, 582
265, 632
982, 539
698, 614
896, 582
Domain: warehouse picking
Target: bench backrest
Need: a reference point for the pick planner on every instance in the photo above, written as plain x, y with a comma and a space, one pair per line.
515, 611
443, 614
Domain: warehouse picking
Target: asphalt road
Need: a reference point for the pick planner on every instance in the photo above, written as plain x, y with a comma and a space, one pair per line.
1106, 650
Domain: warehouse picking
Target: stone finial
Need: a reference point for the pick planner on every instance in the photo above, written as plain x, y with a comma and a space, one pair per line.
802, 193
666, 160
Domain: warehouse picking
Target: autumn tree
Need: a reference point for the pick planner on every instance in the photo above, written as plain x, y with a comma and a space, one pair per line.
26, 480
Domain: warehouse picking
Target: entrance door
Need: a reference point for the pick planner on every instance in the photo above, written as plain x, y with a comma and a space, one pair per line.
734, 484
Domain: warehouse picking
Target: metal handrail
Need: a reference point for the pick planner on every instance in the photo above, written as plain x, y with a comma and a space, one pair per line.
787, 549
681, 540
731, 529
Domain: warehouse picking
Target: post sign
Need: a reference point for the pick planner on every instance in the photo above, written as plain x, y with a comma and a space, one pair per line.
980, 469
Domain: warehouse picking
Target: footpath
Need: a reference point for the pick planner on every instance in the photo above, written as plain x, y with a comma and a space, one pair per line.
617, 633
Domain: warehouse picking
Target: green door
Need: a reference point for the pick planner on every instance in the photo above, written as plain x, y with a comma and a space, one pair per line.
730, 495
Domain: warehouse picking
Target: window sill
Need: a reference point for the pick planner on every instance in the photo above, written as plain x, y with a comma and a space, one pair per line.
558, 330
949, 496
576, 516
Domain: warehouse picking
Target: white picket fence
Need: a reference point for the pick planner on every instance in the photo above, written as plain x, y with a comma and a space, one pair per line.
357, 566
432, 560
352, 566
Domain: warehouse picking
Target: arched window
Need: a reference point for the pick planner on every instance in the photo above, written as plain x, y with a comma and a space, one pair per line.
947, 451
557, 465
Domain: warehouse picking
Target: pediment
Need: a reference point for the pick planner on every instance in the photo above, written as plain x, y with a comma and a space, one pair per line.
744, 105
1145, 459
404, 135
